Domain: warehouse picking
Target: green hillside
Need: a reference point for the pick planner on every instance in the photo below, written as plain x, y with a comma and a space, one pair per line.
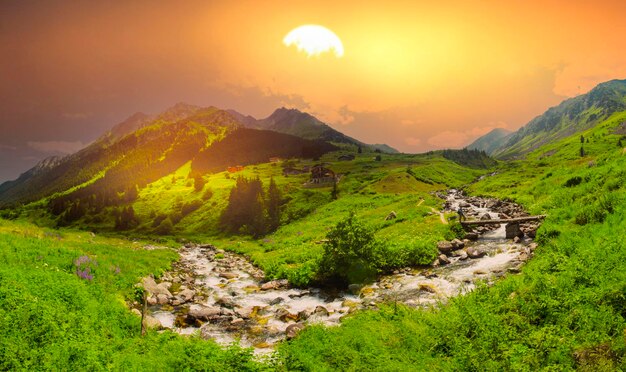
565, 310
571, 116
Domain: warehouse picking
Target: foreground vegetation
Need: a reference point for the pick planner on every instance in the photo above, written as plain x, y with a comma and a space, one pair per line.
62, 307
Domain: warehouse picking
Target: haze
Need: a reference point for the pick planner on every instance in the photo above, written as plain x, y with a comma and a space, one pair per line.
417, 76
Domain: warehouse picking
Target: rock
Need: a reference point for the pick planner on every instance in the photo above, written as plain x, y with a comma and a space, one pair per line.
457, 244
532, 246
303, 315
245, 313
443, 259
162, 299
463, 256
485, 217
277, 300
226, 302
391, 216
274, 284
205, 246
350, 304
269, 285
136, 312
284, 315
177, 301
187, 294
228, 275
204, 313
152, 322
152, 300
427, 287
516, 240
237, 322
445, 247
293, 329
320, 310
471, 236
151, 286
473, 252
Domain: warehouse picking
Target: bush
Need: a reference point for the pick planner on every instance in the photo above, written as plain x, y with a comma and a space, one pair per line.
351, 254
574, 181
190, 207
165, 227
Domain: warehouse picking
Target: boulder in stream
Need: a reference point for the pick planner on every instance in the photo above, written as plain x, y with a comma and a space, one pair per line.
204, 313
473, 252
293, 329
443, 259
445, 247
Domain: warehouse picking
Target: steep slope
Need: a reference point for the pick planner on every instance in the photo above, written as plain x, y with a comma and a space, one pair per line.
490, 141
571, 116
261, 145
113, 166
302, 124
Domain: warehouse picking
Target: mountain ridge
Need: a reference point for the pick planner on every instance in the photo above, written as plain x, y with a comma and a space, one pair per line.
571, 116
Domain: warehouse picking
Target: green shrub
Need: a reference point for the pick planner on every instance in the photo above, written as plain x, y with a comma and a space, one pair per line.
574, 181
165, 227
351, 254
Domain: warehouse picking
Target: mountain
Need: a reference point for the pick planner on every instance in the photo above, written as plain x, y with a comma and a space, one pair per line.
490, 141
145, 148
302, 124
134, 122
41, 167
571, 116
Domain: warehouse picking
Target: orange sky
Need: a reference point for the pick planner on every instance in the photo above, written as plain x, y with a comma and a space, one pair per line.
415, 75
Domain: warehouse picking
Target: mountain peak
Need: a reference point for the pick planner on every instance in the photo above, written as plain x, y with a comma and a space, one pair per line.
291, 117
129, 125
179, 111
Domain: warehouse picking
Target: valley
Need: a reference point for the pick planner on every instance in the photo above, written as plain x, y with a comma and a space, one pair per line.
259, 246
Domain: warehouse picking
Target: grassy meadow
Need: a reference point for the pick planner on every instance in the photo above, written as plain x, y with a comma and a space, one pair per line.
63, 306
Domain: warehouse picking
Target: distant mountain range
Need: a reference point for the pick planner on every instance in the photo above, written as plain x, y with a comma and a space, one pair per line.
144, 148
302, 124
571, 116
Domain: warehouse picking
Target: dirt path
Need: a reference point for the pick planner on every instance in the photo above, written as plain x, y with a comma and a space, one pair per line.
441, 216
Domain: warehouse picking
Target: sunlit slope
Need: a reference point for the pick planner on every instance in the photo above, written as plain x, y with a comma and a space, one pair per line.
564, 311
572, 116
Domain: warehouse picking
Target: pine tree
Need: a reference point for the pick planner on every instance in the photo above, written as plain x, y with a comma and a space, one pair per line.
273, 206
198, 183
582, 151
582, 139
334, 194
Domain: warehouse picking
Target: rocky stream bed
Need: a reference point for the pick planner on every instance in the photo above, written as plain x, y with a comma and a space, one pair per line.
223, 297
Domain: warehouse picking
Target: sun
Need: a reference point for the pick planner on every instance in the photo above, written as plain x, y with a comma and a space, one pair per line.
314, 40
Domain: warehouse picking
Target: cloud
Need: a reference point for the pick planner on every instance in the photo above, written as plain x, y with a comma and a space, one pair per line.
254, 100
56, 147
7, 147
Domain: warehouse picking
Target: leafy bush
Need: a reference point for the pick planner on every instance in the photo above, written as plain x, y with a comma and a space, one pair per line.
165, 227
574, 181
351, 254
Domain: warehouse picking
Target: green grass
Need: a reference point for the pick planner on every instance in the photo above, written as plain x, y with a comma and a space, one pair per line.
565, 311
51, 319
